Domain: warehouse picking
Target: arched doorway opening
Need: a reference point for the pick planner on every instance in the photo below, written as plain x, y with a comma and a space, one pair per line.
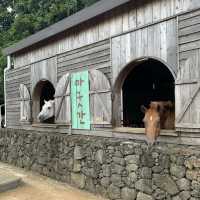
139, 83
44, 90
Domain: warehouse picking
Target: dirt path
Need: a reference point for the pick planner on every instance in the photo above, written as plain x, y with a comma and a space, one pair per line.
38, 187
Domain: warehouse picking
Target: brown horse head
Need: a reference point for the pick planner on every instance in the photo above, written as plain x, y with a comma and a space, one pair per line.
155, 118
151, 122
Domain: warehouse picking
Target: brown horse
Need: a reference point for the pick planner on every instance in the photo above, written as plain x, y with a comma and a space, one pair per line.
159, 115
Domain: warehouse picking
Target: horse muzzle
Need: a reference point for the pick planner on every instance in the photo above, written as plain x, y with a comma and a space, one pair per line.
41, 118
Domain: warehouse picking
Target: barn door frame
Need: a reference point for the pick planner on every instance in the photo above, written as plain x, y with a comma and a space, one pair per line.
117, 106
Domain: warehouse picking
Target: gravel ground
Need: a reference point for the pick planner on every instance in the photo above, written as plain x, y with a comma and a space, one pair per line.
36, 187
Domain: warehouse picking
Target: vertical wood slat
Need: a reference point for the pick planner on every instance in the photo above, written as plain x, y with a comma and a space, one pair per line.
25, 104
100, 98
44, 70
157, 41
62, 101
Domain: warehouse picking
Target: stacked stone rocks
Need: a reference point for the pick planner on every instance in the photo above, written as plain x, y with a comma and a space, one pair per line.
113, 168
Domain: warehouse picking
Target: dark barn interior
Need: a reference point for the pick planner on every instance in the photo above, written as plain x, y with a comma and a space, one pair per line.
47, 93
3, 110
148, 81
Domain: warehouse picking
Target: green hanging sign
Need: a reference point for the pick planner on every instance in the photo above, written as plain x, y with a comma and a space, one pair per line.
80, 100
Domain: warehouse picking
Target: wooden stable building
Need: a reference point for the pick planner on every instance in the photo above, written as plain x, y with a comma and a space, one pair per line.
126, 53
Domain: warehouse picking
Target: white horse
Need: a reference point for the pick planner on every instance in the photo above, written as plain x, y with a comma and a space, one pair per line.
47, 112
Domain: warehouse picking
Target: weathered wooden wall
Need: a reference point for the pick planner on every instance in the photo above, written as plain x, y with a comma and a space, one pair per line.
94, 56
188, 84
133, 15
137, 29
158, 41
46, 69
90, 57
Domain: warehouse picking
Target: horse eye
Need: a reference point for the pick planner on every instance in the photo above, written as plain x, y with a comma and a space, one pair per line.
49, 108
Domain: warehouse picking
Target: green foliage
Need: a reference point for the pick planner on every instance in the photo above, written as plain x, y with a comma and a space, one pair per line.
21, 18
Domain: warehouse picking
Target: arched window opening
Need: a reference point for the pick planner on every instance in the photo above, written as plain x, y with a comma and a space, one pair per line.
138, 84
44, 91
149, 81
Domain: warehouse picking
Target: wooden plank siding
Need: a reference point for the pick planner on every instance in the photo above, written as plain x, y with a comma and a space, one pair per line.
95, 56
156, 41
124, 18
14, 78
111, 41
63, 100
44, 70
188, 84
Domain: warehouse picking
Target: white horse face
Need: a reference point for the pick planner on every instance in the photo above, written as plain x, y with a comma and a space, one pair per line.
47, 111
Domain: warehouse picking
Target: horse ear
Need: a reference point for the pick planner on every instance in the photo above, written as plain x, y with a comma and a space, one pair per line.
143, 109
45, 101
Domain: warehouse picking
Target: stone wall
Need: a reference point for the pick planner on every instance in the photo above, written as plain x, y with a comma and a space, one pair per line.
114, 168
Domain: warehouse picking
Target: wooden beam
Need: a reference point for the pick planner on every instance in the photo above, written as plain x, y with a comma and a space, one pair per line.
189, 81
